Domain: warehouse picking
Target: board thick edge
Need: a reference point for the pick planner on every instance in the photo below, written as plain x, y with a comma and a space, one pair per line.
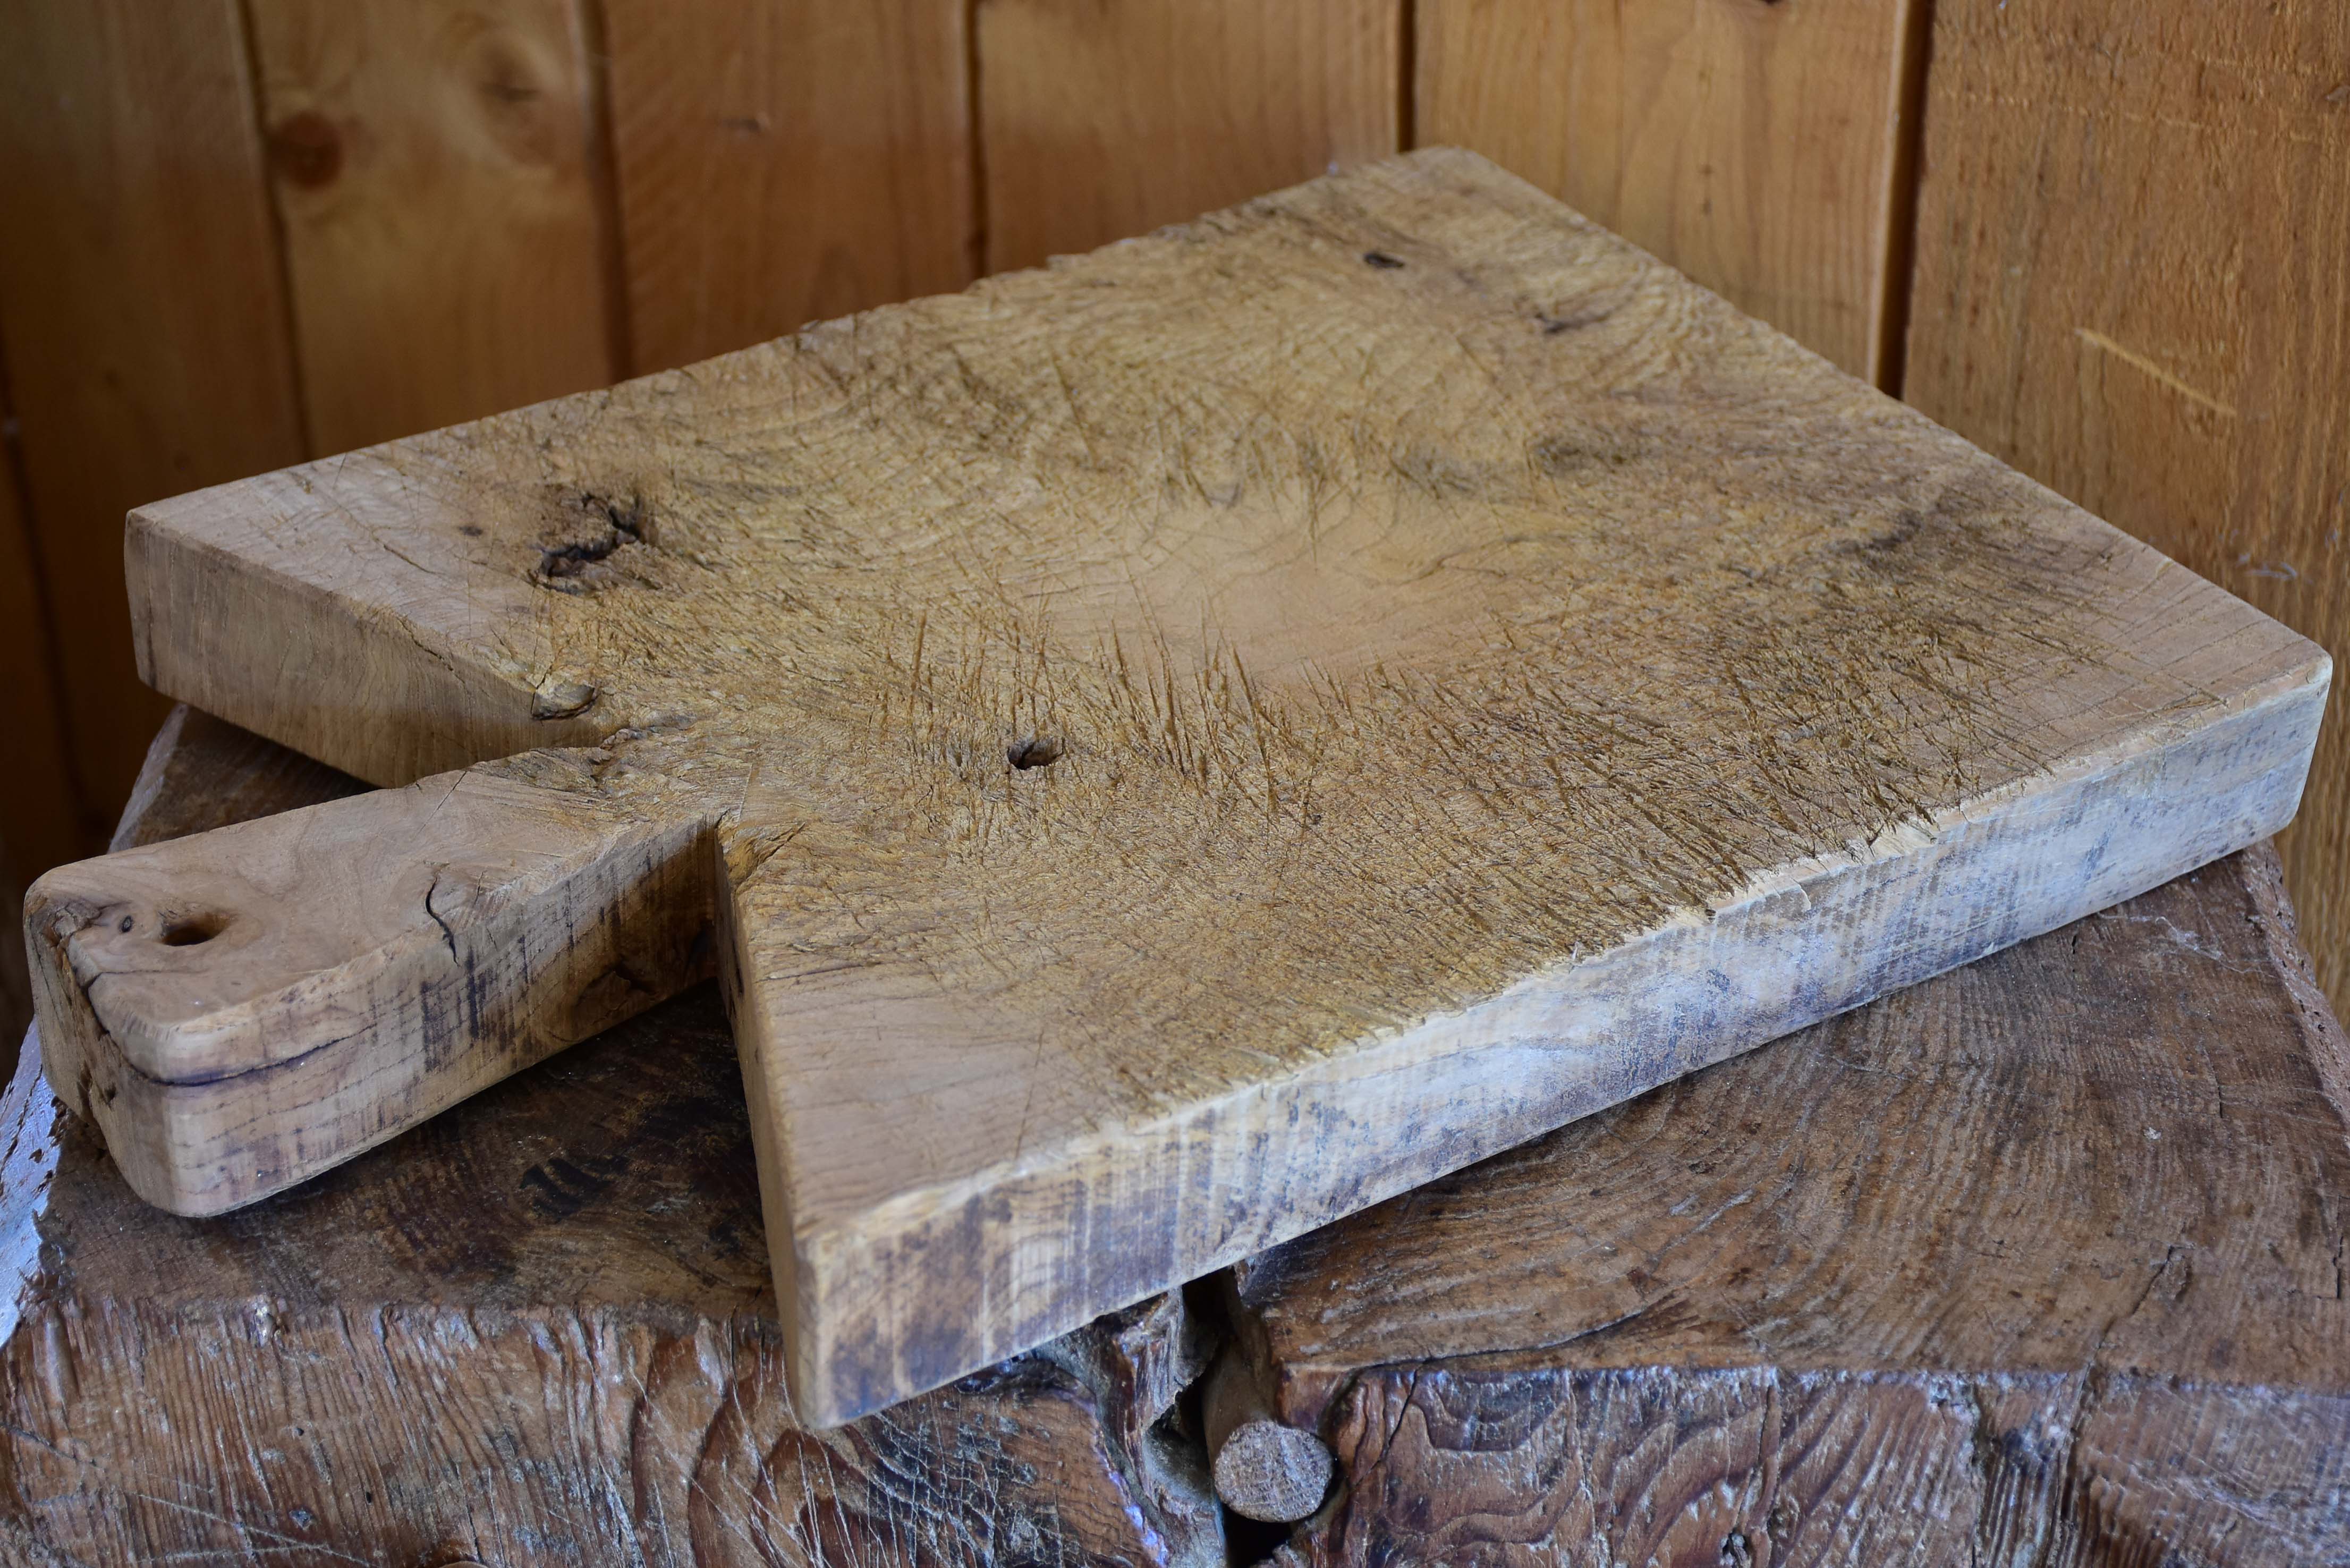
258, 644
885, 1304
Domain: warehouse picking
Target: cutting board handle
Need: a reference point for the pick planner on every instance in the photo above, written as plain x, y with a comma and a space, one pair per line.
241, 1009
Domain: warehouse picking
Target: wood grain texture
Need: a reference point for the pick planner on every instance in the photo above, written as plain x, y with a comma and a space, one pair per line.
2039, 1261
39, 815
143, 316
1101, 121
436, 170
539, 1329
1757, 147
641, 1419
2130, 285
786, 162
201, 772
242, 1010
1263, 1468
1484, 676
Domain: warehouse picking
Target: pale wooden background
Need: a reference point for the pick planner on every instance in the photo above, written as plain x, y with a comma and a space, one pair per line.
2107, 239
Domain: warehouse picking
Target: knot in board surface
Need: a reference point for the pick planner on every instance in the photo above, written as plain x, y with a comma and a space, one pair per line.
1456, 724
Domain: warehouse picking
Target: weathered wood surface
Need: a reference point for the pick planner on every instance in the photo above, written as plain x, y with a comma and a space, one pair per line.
2130, 284
289, 909
2040, 1262
1484, 676
1263, 1469
539, 1330
773, 161
1834, 1371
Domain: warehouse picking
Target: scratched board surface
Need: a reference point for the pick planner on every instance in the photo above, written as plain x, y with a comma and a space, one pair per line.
1205, 735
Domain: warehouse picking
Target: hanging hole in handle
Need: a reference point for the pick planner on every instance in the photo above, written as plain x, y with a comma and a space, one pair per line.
188, 930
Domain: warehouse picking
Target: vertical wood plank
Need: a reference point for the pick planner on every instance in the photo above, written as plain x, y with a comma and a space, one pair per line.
1100, 121
142, 313
437, 170
40, 822
2132, 283
781, 161
1754, 145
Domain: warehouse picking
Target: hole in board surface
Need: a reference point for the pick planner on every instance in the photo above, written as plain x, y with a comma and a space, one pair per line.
190, 929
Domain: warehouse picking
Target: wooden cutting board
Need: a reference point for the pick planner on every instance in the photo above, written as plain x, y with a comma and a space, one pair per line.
1163, 751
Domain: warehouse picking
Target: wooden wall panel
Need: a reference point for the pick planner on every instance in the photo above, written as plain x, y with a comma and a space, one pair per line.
142, 314
781, 161
2134, 283
1756, 146
40, 818
437, 167
1100, 120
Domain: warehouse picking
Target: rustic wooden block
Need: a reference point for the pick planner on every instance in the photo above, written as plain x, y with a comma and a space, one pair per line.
1176, 749
2039, 1261
540, 1329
